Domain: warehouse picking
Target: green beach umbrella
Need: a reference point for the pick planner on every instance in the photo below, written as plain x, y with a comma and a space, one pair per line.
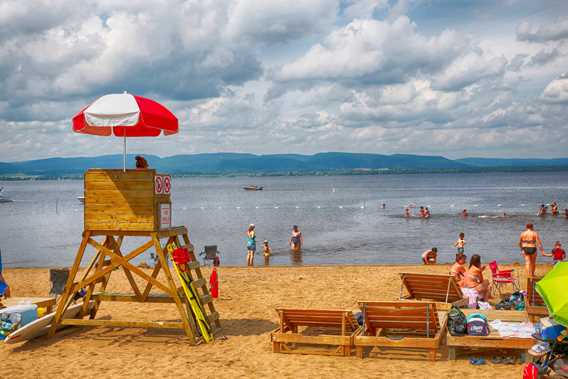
553, 289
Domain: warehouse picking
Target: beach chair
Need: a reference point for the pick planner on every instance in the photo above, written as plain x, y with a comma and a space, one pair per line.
403, 329
314, 331
58, 278
209, 253
533, 303
436, 287
500, 278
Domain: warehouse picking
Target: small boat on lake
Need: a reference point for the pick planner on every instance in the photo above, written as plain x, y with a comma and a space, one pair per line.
253, 188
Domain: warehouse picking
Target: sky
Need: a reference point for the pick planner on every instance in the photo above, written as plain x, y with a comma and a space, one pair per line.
430, 77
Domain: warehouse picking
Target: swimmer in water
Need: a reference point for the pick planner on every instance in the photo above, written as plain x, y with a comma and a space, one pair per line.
427, 213
296, 239
554, 208
422, 212
407, 213
542, 210
464, 213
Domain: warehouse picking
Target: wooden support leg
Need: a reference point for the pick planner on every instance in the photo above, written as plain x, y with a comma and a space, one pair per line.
433, 353
100, 260
67, 294
452, 353
360, 351
189, 329
105, 280
275, 347
127, 272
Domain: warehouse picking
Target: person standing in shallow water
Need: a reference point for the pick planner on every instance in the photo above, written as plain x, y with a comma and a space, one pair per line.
296, 239
529, 242
251, 244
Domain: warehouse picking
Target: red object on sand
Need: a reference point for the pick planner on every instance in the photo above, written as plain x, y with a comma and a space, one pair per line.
214, 283
180, 256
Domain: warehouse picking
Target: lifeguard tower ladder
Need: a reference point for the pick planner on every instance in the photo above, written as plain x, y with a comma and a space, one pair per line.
131, 203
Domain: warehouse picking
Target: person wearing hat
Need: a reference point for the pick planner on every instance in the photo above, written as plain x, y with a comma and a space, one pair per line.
251, 244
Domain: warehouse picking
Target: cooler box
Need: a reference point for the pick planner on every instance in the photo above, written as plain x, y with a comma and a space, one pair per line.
27, 312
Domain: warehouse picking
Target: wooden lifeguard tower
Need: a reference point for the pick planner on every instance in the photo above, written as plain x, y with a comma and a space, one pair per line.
120, 204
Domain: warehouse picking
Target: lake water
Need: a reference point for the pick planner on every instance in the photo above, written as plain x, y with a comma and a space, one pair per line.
341, 216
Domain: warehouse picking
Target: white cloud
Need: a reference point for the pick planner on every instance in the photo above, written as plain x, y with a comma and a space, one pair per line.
278, 21
552, 31
363, 8
469, 69
375, 51
556, 91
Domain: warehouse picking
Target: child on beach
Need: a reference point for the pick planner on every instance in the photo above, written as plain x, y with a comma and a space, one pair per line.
558, 254
458, 269
267, 252
460, 243
429, 257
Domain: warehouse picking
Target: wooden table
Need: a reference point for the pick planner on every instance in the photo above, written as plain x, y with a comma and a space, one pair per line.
43, 302
493, 341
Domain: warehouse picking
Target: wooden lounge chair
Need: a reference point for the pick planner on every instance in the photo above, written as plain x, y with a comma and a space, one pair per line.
436, 287
314, 331
410, 329
534, 304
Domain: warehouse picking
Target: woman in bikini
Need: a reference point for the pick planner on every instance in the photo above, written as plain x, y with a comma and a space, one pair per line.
473, 278
529, 242
296, 239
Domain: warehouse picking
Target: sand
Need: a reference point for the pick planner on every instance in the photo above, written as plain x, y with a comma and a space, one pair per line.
246, 304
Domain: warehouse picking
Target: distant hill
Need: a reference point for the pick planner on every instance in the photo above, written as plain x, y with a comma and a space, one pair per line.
274, 164
523, 163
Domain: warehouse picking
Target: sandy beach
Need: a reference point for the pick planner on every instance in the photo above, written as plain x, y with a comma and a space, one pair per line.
246, 304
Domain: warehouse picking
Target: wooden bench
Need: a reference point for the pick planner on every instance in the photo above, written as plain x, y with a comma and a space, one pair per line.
493, 341
435, 287
314, 331
403, 329
534, 304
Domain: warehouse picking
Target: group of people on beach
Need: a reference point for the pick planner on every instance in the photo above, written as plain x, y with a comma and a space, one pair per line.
471, 277
423, 212
296, 241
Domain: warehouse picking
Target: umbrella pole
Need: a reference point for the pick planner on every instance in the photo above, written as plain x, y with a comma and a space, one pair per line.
124, 155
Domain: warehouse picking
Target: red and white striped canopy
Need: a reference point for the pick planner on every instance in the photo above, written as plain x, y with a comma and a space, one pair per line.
125, 115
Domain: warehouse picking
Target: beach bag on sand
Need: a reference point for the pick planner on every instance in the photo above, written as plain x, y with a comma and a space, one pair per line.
457, 323
530, 371
477, 325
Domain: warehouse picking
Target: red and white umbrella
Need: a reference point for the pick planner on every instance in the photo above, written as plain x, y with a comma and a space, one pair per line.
125, 115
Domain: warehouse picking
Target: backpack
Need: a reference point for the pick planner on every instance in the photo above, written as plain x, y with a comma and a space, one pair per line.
457, 324
530, 371
477, 325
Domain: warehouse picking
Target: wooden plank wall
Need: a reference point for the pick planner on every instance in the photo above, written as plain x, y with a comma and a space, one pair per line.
118, 200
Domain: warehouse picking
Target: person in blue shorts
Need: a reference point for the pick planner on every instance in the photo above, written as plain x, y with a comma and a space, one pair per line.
4, 288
